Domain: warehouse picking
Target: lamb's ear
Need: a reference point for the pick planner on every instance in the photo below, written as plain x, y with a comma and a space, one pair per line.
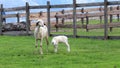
37, 23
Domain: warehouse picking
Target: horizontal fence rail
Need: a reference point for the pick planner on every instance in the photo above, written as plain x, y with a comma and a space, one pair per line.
104, 10
61, 6
15, 9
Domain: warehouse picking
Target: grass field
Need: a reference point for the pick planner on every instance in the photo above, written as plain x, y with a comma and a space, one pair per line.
17, 52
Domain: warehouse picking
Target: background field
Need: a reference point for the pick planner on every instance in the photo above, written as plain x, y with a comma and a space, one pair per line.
17, 52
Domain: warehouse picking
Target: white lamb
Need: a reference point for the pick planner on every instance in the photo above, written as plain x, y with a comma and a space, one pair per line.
57, 39
40, 33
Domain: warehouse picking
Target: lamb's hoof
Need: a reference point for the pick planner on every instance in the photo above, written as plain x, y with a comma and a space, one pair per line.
69, 51
41, 53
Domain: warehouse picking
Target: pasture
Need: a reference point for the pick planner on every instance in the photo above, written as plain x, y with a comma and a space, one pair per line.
17, 52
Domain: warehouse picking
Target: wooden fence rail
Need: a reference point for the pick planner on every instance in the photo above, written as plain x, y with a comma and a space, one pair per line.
74, 15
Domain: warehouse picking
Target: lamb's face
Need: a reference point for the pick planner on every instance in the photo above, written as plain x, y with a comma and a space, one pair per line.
40, 23
54, 42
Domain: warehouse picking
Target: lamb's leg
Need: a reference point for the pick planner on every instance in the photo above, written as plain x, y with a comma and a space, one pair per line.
55, 48
68, 46
36, 43
41, 52
47, 43
47, 40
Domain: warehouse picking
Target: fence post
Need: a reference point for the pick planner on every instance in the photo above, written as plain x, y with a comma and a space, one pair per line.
56, 25
111, 17
48, 16
27, 18
105, 20
118, 8
40, 14
74, 19
100, 9
18, 18
1, 22
63, 20
87, 21
82, 19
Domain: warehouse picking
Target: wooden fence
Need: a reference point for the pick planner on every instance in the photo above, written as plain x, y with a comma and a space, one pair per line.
74, 15
85, 14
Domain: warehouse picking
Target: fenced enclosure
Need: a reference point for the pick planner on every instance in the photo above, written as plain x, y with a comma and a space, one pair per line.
88, 22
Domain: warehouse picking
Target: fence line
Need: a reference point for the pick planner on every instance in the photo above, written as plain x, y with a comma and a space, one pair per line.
48, 7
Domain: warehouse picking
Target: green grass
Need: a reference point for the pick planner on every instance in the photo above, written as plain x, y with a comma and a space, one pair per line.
17, 52
93, 32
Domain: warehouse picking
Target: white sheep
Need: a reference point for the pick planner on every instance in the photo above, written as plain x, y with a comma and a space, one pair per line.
58, 39
40, 33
